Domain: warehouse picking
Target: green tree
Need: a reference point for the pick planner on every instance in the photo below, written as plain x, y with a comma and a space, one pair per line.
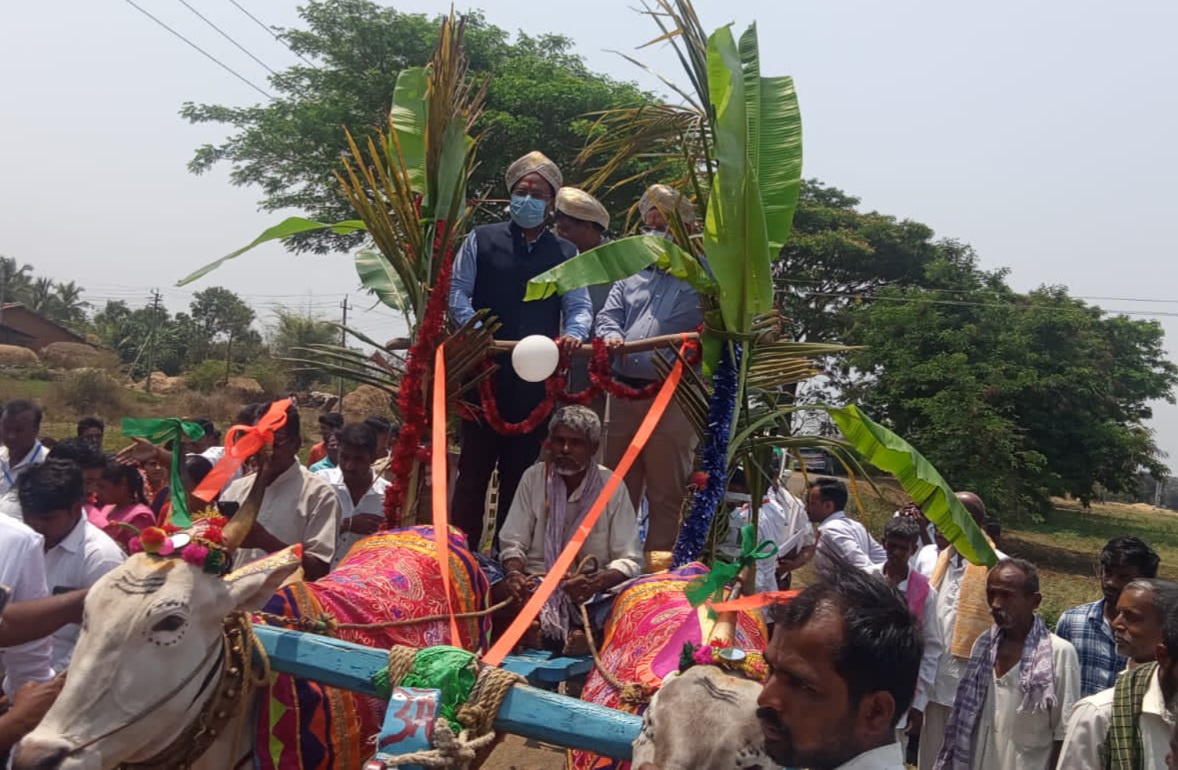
1019, 397
68, 304
146, 339
538, 98
290, 337
220, 317
15, 280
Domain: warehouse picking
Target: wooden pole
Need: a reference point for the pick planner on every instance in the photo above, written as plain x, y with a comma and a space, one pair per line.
504, 346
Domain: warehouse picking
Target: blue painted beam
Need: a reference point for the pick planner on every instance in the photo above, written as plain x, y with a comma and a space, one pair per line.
544, 667
526, 711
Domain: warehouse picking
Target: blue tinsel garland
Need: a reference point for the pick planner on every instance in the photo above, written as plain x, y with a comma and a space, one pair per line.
693, 534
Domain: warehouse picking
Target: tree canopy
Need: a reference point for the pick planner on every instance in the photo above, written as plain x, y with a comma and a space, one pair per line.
539, 98
60, 302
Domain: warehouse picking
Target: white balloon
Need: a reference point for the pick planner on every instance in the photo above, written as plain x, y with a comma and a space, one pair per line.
535, 358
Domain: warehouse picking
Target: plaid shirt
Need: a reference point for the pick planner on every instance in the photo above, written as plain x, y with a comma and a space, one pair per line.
1091, 635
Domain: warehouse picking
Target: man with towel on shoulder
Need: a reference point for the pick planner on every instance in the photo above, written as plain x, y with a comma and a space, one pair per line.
1020, 684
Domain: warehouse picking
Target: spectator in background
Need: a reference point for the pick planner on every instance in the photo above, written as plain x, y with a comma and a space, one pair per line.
92, 461
1089, 626
19, 449
360, 491
332, 458
77, 553
581, 219
900, 541
1139, 697
120, 491
840, 538
386, 437
298, 506
92, 429
329, 423
22, 568
964, 614
651, 303
1011, 707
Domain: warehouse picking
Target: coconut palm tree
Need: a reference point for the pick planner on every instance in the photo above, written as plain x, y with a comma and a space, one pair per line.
68, 304
15, 280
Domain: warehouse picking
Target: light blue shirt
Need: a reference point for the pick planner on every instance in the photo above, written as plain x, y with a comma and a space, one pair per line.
647, 304
576, 308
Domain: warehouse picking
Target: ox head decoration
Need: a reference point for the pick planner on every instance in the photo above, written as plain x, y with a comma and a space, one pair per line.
152, 655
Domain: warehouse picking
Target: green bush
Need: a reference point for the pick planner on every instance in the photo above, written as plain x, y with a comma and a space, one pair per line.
205, 376
271, 375
86, 391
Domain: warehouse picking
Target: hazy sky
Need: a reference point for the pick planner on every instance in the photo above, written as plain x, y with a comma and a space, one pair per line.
1042, 133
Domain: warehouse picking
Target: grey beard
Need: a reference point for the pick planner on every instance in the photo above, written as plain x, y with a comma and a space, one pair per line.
568, 471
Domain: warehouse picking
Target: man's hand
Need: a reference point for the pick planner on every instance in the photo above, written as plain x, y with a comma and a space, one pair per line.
33, 699
915, 722
798, 559
613, 343
518, 587
139, 451
580, 588
364, 523
259, 537
568, 344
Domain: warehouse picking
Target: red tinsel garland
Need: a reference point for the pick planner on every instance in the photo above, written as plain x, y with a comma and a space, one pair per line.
411, 398
555, 389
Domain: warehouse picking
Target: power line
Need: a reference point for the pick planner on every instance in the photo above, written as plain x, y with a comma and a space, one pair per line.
227, 36
203, 52
270, 29
966, 303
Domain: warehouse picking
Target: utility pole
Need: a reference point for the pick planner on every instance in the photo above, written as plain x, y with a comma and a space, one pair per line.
153, 320
343, 341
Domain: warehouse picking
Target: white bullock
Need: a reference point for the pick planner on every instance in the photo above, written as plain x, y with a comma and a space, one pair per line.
159, 675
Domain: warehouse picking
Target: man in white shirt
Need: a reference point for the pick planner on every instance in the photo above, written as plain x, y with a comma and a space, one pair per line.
964, 615
20, 450
843, 664
1021, 682
550, 502
22, 568
360, 491
1140, 695
77, 553
781, 519
298, 506
901, 538
840, 538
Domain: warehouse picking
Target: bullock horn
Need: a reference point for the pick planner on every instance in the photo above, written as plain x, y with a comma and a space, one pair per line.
239, 526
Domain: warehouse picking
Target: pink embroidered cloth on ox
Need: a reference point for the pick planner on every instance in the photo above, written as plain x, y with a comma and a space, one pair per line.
389, 576
644, 637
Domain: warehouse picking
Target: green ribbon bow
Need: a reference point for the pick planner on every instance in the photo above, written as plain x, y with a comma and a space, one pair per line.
161, 431
723, 572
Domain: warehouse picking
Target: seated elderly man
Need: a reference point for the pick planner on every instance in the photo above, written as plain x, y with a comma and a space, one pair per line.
552, 499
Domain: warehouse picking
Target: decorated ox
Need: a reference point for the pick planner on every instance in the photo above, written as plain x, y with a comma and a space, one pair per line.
646, 633
164, 669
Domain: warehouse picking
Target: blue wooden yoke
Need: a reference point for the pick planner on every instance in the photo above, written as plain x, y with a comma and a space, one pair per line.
526, 711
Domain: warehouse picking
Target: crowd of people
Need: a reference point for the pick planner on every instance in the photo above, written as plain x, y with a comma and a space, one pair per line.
900, 647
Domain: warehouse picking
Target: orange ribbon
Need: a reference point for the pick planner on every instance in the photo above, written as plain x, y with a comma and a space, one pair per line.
438, 452
241, 443
563, 562
756, 601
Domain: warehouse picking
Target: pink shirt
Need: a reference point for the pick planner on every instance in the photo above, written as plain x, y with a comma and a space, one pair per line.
137, 515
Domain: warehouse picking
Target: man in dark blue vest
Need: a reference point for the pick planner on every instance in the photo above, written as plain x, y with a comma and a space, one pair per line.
492, 271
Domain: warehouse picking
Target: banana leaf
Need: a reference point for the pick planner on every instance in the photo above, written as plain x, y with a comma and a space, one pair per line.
888, 452
775, 141
735, 238
378, 276
615, 260
284, 229
407, 119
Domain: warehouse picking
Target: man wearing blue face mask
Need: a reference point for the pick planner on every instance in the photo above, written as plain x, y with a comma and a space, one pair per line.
492, 271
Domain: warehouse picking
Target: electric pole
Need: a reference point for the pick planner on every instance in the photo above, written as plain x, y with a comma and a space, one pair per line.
152, 321
343, 341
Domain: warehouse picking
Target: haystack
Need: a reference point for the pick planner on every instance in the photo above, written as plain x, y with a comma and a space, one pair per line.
366, 401
16, 356
78, 355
